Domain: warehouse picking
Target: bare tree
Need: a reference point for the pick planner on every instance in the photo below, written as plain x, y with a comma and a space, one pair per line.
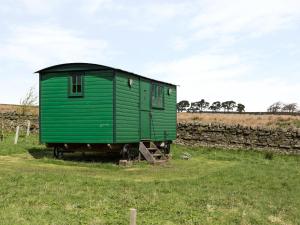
28, 101
275, 107
291, 108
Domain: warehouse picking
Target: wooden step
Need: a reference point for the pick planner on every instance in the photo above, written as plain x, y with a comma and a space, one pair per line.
145, 152
152, 154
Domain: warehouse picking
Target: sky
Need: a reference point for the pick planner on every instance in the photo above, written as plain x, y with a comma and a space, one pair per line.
217, 50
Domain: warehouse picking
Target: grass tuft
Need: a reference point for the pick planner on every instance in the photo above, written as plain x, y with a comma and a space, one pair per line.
269, 155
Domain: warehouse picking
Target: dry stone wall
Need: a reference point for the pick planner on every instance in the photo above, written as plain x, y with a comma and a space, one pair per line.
12, 119
202, 134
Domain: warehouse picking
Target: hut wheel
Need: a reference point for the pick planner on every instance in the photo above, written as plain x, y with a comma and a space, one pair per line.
57, 153
125, 152
167, 148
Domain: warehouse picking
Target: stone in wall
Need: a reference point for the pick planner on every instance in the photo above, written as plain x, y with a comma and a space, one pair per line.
217, 134
11, 120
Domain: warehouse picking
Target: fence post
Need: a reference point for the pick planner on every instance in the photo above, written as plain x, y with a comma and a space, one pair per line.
132, 216
2, 128
17, 135
28, 128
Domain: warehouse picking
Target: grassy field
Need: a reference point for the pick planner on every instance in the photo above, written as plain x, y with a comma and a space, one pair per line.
283, 121
213, 187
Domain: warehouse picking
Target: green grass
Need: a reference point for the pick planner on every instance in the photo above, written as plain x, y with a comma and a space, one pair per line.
287, 123
213, 187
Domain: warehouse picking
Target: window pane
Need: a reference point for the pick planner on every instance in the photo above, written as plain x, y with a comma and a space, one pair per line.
157, 96
78, 79
73, 80
153, 94
76, 82
78, 88
73, 88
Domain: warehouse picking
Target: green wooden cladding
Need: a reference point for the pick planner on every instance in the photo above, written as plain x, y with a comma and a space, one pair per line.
109, 111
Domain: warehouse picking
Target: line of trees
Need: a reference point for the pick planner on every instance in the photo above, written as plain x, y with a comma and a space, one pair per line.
201, 106
282, 107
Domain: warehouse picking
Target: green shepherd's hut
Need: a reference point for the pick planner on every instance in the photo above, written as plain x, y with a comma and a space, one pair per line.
93, 107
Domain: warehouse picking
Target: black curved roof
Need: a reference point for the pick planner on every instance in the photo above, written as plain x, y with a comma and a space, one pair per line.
67, 67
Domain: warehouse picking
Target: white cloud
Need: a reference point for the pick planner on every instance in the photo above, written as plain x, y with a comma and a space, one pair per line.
44, 45
91, 7
200, 68
223, 77
225, 22
141, 16
254, 17
29, 7
38, 6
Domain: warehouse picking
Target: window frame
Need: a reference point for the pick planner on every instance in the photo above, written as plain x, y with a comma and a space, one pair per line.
71, 85
155, 96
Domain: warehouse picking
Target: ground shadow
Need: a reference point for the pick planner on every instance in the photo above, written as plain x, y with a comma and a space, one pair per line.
88, 157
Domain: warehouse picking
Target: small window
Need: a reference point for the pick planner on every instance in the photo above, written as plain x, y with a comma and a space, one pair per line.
76, 85
157, 96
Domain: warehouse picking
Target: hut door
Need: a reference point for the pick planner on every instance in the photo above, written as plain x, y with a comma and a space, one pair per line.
145, 110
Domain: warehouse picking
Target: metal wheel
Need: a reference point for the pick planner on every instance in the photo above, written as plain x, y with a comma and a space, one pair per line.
60, 154
167, 148
57, 153
125, 152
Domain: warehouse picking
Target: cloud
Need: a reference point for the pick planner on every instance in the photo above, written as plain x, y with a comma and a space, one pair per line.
201, 67
38, 6
133, 16
44, 45
255, 17
92, 7
225, 22
219, 76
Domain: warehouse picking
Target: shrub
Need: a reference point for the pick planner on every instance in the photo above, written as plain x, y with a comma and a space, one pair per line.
269, 155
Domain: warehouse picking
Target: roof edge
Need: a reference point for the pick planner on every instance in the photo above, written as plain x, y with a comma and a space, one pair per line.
69, 64
100, 66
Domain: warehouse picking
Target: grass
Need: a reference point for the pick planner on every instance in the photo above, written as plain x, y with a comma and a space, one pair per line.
283, 121
213, 187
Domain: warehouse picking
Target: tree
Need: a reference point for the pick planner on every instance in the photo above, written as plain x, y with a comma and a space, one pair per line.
228, 105
194, 107
215, 106
182, 105
291, 108
29, 100
202, 105
275, 107
240, 108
